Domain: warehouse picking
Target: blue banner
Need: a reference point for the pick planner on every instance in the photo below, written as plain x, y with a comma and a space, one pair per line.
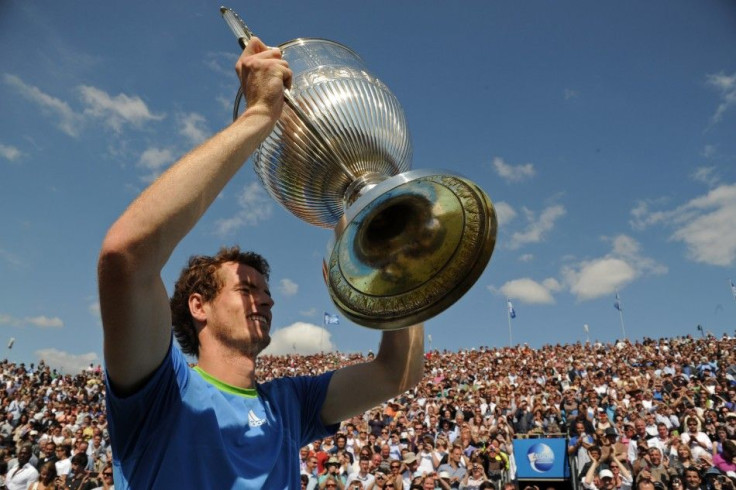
541, 459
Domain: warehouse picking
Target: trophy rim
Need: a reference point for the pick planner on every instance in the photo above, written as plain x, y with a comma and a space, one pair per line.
302, 41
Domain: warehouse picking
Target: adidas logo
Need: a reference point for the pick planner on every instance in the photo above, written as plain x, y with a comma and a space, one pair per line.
254, 421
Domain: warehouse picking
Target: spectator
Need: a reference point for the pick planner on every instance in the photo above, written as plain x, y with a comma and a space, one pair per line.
23, 473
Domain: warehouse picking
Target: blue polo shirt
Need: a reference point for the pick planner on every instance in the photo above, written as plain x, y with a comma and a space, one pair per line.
185, 429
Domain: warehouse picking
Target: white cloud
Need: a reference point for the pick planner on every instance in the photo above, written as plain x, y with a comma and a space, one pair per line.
300, 338
9, 153
255, 206
726, 85
66, 362
154, 160
570, 94
68, 121
530, 291
115, 111
504, 213
45, 322
590, 279
287, 287
36, 321
193, 127
706, 225
310, 312
526, 258
706, 175
513, 173
537, 227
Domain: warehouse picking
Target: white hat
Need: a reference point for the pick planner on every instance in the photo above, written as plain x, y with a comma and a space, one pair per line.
605, 474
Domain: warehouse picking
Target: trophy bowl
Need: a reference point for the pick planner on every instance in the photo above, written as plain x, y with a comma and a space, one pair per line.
407, 243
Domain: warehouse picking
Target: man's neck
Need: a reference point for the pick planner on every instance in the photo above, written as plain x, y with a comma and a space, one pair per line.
229, 367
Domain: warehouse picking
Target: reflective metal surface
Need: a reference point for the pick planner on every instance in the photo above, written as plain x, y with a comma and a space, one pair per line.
410, 248
360, 119
408, 244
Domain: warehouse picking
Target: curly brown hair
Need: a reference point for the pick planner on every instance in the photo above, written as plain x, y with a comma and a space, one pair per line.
200, 276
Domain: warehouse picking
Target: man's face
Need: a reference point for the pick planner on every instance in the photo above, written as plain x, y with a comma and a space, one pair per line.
457, 455
240, 314
663, 432
376, 460
364, 465
311, 463
641, 427
655, 456
24, 455
607, 482
692, 479
428, 483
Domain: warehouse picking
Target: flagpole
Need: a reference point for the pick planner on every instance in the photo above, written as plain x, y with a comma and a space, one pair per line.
508, 317
620, 314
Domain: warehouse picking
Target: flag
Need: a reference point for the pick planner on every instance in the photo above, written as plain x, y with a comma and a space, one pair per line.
331, 319
11, 342
512, 312
586, 328
618, 304
429, 337
733, 288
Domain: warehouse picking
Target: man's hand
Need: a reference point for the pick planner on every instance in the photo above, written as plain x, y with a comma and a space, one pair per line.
263, 75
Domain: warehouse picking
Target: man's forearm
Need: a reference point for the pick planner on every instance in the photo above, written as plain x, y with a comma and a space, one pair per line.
163, 214
402, 353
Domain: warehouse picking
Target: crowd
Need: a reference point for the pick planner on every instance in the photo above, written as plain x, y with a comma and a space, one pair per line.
647, 414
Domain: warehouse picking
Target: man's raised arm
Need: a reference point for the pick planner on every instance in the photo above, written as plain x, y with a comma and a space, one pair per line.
133, 300
398, 366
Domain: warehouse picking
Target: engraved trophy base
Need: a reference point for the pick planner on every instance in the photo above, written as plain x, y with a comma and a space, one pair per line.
409, 248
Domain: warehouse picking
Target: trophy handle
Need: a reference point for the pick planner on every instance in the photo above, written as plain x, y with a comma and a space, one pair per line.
237, 26
243, 33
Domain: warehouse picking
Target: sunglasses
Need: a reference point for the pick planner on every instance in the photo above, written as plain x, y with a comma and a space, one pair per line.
107, 474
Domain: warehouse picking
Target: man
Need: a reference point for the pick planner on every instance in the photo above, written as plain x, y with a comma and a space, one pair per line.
454, 467
160, 409
693, 480
22, 474
332, 472
654, 468
411, 466
79, 478
603, 481
363, 475
640, 434
310, 471
579, 444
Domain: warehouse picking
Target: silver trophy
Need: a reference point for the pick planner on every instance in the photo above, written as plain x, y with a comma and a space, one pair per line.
408, 243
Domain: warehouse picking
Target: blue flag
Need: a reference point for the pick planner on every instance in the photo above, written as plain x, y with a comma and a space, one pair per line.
512, 312
618, 304
331, 319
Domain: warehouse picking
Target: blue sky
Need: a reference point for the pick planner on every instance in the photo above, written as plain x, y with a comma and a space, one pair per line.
604, 132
